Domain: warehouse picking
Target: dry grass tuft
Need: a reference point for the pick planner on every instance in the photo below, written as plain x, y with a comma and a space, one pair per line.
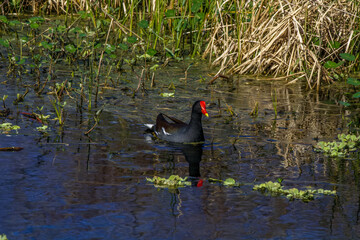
277, 38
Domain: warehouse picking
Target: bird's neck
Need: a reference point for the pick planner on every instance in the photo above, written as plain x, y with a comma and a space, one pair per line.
195, 121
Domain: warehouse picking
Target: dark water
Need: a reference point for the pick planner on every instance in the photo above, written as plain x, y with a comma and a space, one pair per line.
70, 186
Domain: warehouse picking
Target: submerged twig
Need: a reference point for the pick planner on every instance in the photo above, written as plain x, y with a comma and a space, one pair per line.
11, 149
92, 128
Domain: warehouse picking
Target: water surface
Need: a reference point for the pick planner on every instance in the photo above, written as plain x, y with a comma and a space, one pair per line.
70, 186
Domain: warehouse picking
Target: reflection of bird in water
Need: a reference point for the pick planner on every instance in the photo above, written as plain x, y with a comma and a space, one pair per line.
193, 154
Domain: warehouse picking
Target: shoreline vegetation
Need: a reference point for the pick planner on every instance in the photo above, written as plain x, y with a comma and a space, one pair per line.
313, 41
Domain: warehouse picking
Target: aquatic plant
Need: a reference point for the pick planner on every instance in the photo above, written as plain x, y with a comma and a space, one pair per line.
229, 182
355, 96
3, 100
3, 237
5, 112
275, 188
96, 119
348, 143
174, 181
43, 128
20, 97
255, 111
165, 94
43, 118
59, 111
267, 37
7, 127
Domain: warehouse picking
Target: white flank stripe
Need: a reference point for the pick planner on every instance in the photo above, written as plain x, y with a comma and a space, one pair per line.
150, 126
166, 133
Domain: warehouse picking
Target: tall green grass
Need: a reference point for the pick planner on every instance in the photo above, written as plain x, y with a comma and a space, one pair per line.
304, 40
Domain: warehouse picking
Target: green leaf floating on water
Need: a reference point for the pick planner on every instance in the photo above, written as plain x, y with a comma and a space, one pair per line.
342, 148
167, 94
174, 181
214, 180
7, 127
3, 237
42, 128
275, 188
229, 182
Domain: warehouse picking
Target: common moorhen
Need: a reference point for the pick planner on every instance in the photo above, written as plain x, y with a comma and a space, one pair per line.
178, 131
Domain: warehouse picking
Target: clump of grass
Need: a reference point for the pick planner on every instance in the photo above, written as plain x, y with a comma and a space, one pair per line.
293, 38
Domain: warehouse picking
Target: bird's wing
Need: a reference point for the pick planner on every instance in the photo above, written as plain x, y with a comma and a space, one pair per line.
177, 121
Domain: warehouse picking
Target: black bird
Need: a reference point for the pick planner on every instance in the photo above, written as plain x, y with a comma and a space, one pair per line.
174, 130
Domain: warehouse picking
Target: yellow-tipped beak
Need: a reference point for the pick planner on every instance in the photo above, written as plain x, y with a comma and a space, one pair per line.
206, 114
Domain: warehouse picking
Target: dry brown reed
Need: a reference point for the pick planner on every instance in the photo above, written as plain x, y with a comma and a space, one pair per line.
283, 38
279, 38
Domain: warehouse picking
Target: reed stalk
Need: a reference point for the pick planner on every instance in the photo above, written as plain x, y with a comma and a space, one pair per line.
274, 38
279, 38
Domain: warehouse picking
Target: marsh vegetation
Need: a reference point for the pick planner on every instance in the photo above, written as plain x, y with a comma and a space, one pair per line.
79, 78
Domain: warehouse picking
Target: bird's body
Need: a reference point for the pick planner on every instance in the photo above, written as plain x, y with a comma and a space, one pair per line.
173, 130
